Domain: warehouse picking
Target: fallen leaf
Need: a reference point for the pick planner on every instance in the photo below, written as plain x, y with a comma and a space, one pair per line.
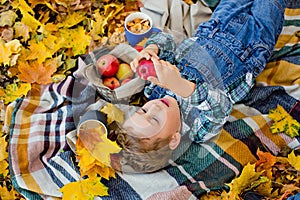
239, 184
94, 161
3, 168
21, 30
7, 49
3, 146
84, 189
77, 39
36, 72
29, 20
5, 194
14, 91
294, 160
38, 51
283, 122
104, 149
72, 19
113, 113
7, 18
265, 163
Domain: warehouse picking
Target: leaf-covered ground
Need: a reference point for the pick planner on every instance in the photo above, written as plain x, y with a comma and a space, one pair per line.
40, 43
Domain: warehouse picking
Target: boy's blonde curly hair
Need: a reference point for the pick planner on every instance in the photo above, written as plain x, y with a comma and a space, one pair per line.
139, 158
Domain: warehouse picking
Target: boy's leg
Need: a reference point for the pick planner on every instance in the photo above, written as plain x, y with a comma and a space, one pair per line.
228, 9
239, 38
251, 19
269, 21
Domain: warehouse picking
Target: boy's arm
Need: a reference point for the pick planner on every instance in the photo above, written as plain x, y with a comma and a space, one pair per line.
205, 112
166, 45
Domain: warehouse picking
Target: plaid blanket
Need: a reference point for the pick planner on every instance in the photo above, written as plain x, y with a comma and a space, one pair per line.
41, 162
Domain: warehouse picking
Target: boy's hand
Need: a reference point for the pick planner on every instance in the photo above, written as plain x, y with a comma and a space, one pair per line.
168, 76
147, 53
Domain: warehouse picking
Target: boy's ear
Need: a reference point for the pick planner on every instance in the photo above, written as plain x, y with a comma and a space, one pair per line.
175, 140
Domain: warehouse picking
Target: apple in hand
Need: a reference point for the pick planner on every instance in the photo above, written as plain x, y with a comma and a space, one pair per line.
111, 82
124, 72
146, 69
107, 65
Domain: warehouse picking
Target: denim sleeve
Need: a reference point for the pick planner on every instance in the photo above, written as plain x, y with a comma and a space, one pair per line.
205, 118
166, 45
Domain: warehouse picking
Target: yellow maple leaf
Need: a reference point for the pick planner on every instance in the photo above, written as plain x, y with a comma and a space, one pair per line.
73, 19
97, 24
102, 18
5, 193
27, 14
283, 122
294, 160
104, 172
5, 53
278, 113
86, 160
38, 51
265, 189
3, 145
113, 113
36, 72
3, 168
84, 189
104, 149
21, 4
8, 49
77, 39
51, 43
90, 165
245, 179
29, 20
14, 91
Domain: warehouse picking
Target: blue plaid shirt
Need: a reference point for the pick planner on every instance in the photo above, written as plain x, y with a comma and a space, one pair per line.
207, 109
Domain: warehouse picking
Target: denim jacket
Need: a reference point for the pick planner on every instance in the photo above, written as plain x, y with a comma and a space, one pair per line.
223, 59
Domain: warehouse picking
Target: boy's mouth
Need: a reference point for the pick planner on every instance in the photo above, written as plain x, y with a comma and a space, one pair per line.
165, 101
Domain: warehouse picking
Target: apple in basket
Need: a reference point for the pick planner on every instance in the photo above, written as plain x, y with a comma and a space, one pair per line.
146, 69
124, 72
107, 65
111, 82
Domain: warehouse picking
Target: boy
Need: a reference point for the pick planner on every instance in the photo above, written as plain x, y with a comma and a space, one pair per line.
203, 77
198, 82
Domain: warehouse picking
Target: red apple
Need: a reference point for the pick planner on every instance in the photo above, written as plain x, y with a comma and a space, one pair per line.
124, 72
146, 69
107, 65
126, 81
111, 82
139, 48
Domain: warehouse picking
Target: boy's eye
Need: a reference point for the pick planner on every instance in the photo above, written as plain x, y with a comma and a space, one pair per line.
155, 120
142, 110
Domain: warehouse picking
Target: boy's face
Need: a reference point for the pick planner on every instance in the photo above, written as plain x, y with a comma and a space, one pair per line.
159, 118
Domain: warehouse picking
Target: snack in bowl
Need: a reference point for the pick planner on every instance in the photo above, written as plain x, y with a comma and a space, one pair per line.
138, 25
